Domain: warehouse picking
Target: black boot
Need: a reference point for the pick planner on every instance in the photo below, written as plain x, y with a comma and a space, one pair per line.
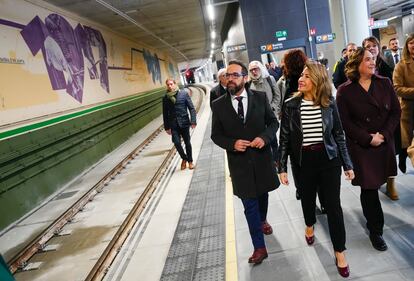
402, 160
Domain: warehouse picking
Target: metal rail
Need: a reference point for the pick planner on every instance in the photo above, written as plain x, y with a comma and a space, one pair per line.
110, 252
101, 267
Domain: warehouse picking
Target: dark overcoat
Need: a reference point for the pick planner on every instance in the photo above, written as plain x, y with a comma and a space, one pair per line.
364, 113
216, 92
252, 171
175, 115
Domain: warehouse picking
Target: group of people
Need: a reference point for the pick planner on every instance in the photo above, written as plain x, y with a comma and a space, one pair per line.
358, 131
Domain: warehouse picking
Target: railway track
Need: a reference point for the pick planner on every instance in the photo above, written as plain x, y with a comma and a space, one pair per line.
82, 243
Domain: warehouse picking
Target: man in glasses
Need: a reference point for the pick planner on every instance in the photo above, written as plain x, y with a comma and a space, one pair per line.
175, 106
260, 80
244, 124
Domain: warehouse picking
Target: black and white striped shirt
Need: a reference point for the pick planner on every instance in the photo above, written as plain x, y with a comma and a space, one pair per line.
311, 117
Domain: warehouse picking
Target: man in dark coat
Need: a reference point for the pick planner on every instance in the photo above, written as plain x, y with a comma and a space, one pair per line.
176, 120
338, 76
393, 56
220, 89
244, 124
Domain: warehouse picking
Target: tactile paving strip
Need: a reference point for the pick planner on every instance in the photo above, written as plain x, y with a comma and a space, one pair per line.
198, 248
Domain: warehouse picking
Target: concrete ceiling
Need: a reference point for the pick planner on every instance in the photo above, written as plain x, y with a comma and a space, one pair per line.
383, 9
180, 27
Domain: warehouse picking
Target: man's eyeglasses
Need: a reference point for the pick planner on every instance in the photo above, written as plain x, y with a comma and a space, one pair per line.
254, 69
235, 75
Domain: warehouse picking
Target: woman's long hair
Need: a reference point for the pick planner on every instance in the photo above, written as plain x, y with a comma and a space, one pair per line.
322, 85
294, 62
406, 53
352, 66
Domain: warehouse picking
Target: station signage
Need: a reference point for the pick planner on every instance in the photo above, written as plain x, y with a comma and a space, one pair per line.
378, 24
236, 48
324, 38
271, 47
281, 35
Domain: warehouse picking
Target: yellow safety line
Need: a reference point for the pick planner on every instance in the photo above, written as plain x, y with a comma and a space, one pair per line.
231, 256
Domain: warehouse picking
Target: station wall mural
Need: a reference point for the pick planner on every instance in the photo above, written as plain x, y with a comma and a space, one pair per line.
50, 63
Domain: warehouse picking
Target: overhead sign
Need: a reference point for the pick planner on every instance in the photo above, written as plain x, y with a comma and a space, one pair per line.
236, 48
312, 31
271, 47
281, 35
379, 24
324, 38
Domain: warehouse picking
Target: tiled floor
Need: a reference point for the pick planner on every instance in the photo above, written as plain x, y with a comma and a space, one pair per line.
291, 259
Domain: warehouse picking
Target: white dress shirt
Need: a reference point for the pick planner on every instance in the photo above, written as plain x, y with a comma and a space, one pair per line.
235, 102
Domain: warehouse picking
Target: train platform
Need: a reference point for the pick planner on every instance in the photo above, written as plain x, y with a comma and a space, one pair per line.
198, 232
212, 242
193, 228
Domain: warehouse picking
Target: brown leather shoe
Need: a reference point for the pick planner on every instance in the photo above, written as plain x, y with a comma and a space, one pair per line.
191, 166
258, 256
183, 165
266, 228
391, 189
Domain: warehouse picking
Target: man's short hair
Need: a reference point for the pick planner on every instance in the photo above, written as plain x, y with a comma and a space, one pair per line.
392, 39
170, 79
221, 72
244, 68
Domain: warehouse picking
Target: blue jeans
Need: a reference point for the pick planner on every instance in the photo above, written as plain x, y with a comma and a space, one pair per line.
176, 134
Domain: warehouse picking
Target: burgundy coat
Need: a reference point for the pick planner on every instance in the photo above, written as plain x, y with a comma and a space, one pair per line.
363, 114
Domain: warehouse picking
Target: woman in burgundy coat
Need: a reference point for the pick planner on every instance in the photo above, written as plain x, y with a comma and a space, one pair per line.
370, 112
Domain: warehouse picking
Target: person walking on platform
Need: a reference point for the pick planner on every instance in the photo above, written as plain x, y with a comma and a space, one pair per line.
175, 106
244, 124
370, 112
404, 86
311, 133
382, 68
220, 89
260, 80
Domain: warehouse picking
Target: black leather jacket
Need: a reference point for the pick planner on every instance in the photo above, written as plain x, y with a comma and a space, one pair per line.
291, 136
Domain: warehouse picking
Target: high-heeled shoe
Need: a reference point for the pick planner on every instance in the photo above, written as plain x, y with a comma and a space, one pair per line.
310, 240
343, 271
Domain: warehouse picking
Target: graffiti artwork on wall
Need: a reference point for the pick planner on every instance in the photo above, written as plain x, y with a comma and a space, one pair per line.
63, 49
153, 65
171, 70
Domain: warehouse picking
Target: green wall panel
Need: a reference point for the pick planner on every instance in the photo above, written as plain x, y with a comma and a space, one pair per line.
35, 164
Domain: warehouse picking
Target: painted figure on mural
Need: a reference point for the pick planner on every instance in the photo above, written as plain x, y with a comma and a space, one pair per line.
63, 49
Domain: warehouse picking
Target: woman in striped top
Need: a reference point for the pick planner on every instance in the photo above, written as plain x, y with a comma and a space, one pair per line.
311, 133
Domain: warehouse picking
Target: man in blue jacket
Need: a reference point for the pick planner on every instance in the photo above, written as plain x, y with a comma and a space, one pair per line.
177, 122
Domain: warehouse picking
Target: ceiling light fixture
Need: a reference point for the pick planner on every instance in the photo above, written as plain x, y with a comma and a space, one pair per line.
213, 34
210, 12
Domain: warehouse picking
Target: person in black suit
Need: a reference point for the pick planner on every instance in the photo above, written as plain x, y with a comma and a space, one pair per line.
244, 124
220, 89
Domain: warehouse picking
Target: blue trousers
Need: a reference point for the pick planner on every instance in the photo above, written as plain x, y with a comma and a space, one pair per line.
255, 211
176, 134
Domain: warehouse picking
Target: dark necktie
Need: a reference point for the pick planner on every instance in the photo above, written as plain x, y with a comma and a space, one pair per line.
396, 58
240, 110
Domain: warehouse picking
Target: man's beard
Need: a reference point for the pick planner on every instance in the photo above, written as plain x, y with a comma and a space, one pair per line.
233, 88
